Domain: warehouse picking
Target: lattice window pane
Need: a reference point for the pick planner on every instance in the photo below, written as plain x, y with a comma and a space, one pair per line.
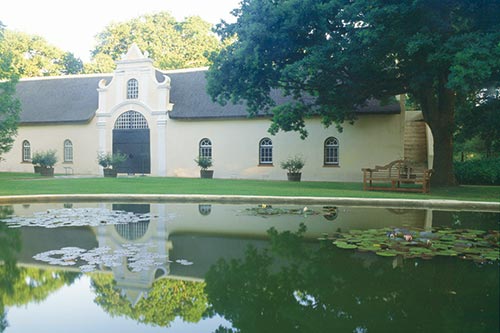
26, 151
131, 120
132, 89
68, 151
206, 148
266, 151
331, 151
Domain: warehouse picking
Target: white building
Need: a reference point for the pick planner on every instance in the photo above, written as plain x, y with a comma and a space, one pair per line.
163, 120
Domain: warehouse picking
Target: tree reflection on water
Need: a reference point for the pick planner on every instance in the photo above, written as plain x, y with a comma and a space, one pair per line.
22, 285
296, 286
166, 300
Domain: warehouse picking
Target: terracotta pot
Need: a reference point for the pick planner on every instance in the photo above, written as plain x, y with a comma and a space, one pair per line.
110, 173
294, 176
207, 173
47, 172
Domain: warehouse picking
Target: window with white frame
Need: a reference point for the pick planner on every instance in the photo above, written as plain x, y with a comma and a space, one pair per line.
68, 151
266, 151
205, 148
26, 151
132, 89
131, 120
331, 150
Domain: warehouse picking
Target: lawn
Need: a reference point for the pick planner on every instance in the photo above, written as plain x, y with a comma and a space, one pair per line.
25, 183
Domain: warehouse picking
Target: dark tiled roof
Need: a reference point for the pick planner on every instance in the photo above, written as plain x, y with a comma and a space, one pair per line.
190, 99
188, 94
60, 99
75, 98
374, 106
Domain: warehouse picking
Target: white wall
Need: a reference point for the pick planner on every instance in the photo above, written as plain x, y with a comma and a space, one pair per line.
52, 137
374, 139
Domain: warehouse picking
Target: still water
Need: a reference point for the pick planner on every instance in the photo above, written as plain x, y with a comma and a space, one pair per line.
168, 267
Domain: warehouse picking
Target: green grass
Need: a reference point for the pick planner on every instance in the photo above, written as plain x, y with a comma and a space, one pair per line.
25, 184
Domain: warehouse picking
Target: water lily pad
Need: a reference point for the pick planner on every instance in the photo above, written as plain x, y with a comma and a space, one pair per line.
421, 250
463, 243
344, 245
450, 253
386, 253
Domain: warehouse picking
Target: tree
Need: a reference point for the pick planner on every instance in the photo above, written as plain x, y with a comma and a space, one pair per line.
72, 65
9, 105
31, 55
478, 121
170, 43
334, 55
166, 300
296, 285
101, 63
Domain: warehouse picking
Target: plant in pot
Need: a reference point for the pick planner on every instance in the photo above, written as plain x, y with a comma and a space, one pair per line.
294, 167
204, 163
110, 162
46, 161
35, 160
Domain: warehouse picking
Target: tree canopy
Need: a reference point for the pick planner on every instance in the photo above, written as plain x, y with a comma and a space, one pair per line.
334, 55
300, 286
9, 105
171, 44
166, 300
32, 56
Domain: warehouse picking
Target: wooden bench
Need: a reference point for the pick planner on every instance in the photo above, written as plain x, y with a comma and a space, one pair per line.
395, 174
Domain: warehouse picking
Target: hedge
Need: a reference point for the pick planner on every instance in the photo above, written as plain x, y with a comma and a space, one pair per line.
478, 171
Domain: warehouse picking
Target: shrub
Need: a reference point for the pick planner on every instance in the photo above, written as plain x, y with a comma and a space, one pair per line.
108, 161
478, 171
45, 159
293, 164
204, 162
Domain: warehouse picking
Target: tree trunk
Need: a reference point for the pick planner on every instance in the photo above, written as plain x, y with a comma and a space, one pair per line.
443, 174
439, 113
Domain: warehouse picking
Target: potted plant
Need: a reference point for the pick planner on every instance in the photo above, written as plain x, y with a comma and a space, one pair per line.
37, 158
45, 161
110, 162
294, 167
204, 163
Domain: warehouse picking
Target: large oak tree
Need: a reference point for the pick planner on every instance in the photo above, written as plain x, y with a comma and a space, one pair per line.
170, 43
343, 52
33, 56
9, 105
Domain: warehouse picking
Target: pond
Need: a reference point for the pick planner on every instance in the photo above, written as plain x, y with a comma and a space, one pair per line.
183, 267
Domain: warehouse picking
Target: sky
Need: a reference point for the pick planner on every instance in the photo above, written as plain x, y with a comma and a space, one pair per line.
73, 25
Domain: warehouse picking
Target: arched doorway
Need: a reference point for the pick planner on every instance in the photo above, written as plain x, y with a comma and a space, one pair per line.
131, 137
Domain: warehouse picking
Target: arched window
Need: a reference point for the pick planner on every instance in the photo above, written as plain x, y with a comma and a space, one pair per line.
68, 151
132, 231
26, 151
132, 89
131, 120
205, 209
266, 151
205, 148
331, 151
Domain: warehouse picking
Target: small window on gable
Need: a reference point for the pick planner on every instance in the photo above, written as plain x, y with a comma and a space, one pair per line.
266, 151
68, 151
205, 148
26, 151
331, 151
132, 89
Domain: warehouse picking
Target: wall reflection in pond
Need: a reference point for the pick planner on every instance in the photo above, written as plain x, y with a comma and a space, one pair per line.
225, 261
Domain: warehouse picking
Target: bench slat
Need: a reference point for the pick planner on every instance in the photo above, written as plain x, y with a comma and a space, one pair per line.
396, 173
